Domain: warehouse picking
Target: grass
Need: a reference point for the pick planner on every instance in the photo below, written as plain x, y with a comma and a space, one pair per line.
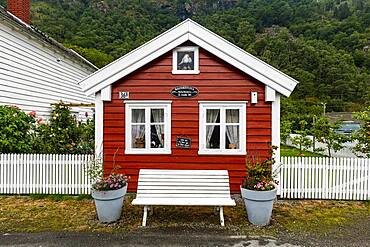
39, 214
292, 151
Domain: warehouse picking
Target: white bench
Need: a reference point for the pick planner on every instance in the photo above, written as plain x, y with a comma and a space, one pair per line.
183, 188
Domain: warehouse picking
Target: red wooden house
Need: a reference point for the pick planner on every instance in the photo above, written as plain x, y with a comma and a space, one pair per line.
187, 99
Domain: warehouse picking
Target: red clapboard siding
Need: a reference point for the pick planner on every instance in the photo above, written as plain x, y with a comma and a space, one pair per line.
217, 81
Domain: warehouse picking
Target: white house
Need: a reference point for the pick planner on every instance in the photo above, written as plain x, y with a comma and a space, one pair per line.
35, 70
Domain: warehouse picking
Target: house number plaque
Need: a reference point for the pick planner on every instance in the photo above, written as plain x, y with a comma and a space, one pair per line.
185, 92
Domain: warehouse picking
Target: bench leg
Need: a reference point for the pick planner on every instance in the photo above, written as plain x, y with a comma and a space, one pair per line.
222, 221
145, 215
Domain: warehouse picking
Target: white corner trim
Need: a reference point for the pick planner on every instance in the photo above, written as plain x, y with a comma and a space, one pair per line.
106, 93
275, 132
99, 128
270, 94
213, 43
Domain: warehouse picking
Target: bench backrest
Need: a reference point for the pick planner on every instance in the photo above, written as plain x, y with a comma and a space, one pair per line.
157, 183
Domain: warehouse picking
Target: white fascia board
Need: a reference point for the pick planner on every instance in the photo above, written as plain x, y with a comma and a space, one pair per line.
136, 59
219, 52
241, 59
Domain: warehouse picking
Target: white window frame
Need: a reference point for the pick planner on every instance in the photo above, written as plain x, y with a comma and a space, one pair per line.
147, 105
222, 105
195, 49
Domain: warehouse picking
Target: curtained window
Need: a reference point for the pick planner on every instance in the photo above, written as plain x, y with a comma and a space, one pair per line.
148, 127
222, 128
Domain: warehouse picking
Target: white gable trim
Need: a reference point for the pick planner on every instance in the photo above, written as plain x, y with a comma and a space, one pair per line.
189, 30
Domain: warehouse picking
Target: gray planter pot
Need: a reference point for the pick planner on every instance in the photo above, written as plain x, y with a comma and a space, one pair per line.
109, 204
258, 205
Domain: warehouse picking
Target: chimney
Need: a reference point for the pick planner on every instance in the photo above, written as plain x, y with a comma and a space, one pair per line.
20, 8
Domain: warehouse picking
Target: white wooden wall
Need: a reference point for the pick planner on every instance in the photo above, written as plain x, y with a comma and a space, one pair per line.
33, 75
44, 174
324, 178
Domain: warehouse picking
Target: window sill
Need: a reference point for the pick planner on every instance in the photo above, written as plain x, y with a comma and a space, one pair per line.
148, 152
185, 72
203, 152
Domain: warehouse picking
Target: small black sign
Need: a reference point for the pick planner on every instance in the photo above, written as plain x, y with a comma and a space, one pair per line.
184, 92
183, 142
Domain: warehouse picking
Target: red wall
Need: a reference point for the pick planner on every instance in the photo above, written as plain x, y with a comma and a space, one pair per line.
217, 81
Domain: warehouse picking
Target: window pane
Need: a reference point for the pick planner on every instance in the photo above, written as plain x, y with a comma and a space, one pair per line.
138, 115
213, 116
157, 115
185, 60
232, 115
138, 136
157, 136
213, 137
232, 137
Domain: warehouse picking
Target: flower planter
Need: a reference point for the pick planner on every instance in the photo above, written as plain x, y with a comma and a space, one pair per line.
258, 205
109, 204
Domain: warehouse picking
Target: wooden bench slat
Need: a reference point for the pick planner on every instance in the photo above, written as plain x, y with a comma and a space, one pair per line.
198, 180
226, 192
174, 196
180, 183
183, 176
184, 172
183, 187
184, 201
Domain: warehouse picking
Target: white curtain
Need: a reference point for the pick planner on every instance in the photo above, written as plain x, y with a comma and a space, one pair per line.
158, 117
232, 131
138, 116
211, 117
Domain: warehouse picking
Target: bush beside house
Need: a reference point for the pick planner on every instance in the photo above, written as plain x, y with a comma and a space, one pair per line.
27, 133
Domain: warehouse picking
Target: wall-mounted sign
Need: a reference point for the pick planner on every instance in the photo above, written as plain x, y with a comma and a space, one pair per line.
123, 95
184, 92
183, 142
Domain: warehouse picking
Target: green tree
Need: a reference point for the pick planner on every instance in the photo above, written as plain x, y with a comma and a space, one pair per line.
285, 130
362, 136
325, 132
301, 140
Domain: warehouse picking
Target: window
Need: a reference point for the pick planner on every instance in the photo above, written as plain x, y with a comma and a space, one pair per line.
185, 60
148, 127
222, 128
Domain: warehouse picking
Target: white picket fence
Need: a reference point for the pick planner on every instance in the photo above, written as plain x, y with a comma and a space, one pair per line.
300, 177
44, 174
324, 178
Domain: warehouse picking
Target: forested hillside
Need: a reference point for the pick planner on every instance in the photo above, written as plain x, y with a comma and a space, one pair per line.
325, 44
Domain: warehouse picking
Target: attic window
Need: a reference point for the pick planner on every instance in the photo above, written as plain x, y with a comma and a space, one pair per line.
185, 60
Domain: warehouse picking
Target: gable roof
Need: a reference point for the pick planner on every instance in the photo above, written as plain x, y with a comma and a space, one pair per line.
194, 32
8, 18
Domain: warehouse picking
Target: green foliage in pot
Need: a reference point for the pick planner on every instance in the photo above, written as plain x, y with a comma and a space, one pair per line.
259, 174
113, 181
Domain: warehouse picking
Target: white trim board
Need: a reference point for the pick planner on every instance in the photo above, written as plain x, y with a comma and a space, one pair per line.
185, 31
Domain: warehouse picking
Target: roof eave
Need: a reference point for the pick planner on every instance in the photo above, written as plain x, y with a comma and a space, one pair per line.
189, 30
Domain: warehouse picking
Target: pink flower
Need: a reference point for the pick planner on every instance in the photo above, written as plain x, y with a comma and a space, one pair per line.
32, 114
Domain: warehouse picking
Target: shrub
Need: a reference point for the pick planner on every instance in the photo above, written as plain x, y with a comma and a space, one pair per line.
17, 130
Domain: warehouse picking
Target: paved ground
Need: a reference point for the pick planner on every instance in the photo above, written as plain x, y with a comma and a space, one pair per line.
91, 239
